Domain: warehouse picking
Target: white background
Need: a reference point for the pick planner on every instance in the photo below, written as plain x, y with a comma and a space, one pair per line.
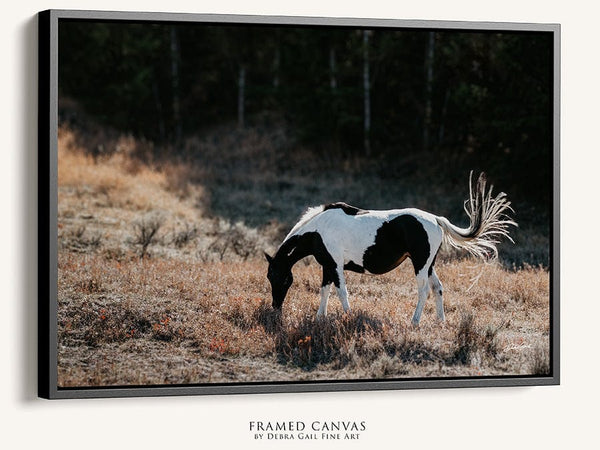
550, 417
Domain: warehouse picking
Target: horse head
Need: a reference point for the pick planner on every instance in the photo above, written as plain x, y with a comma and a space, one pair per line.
281, 279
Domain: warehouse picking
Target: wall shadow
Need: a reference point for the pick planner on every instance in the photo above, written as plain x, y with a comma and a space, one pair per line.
28, 166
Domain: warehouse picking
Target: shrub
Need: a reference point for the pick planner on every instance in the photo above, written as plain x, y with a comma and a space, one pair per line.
540, 361
81, 242
467, 339
145, 232
182, 237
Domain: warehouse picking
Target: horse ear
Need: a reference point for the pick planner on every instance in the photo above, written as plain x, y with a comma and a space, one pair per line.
269, 258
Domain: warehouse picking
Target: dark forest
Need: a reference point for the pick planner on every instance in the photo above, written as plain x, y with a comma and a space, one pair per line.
448, 98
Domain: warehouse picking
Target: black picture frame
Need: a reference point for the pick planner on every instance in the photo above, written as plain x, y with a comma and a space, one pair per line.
47, 210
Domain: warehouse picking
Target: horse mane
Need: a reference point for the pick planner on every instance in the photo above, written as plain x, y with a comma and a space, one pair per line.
309, 214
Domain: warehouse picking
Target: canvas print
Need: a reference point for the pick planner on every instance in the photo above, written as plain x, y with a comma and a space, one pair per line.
245, 203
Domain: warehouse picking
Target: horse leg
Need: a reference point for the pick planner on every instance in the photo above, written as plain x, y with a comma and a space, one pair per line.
324, 299
329, 276
423, 287
425, 272
341, 288
436, 287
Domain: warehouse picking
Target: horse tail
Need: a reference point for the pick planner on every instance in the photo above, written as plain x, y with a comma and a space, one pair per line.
488, 221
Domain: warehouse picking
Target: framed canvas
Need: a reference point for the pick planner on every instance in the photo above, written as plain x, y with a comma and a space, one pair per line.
210, 185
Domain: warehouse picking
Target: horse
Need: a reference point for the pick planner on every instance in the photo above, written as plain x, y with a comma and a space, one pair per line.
343, 237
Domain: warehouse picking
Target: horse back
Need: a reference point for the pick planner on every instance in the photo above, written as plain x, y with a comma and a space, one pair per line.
378, 241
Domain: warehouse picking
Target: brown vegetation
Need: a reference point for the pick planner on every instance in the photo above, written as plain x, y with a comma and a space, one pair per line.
161, 282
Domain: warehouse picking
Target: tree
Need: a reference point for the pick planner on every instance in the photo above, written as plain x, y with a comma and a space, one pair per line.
367, 92
429, 59
175, 56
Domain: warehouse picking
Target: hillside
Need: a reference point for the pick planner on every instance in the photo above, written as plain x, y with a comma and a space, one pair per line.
162, 278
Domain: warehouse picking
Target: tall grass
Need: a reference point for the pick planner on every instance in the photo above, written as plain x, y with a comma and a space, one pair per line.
219, 314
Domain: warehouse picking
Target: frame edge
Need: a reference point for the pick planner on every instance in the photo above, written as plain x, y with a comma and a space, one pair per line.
43, 358
47, 204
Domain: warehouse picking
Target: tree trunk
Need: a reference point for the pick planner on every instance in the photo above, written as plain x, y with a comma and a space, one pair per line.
443, 118
241, 94
332, 69
159, 111
429, 55
276, 64
367, 93
175, 84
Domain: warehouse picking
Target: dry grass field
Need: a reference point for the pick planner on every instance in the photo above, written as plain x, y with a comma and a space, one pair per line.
161, 281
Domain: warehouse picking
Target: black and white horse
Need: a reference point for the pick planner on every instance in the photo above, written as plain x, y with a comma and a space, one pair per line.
342, 237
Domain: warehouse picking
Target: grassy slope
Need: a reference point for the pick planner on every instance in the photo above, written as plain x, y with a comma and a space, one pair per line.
196, 308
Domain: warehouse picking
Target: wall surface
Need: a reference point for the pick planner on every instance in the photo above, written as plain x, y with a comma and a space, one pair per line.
548, 417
